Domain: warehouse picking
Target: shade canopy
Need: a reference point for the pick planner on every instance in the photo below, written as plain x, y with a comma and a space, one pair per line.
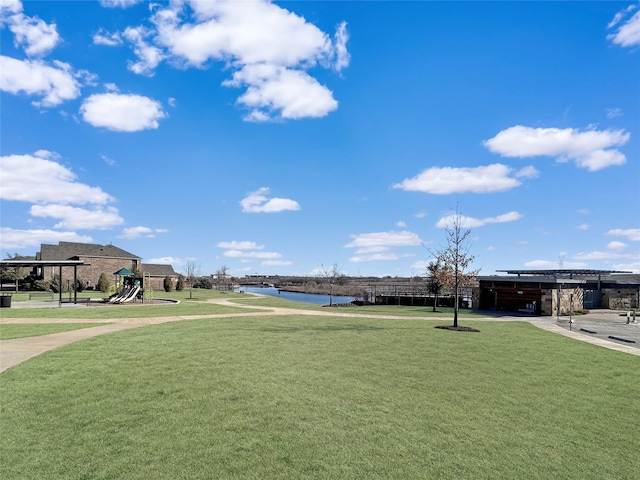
124, 272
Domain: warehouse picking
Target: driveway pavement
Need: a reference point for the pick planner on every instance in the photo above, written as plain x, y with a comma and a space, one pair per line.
595, 328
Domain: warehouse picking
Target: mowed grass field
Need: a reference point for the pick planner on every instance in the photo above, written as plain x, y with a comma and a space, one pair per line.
300, 397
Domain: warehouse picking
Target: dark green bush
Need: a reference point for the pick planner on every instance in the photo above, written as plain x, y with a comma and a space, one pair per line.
103, 283
167, 283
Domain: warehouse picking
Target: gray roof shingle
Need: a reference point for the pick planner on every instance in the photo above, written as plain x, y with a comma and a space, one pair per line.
68, 250
158, 270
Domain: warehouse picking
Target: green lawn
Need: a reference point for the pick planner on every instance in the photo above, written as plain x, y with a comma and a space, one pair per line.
195, 306
323, 398
21, 330
399, 310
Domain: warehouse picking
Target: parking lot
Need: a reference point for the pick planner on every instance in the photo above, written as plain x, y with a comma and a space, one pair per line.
603, 324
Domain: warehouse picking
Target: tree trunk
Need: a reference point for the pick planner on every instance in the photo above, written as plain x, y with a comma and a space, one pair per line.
455, 306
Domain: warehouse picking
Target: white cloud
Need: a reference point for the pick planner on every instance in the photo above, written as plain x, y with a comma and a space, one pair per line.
55, 84
74, 218
376, 257
627, 34
102, 37
118, 3
583, 226
34, 34
122, 113
11, 238
166, 261
278, 91
383, 239
614, 112
268, 49
109, 161
257, 202
245, 245
629, 233
610, 255
9, 7
470, 222
251, 254
37, 36
633, 267
615, 245
149, 57
276, 263
132, 233
590, 149
528, 172
39, 179
446, 180
401, 224
342, 55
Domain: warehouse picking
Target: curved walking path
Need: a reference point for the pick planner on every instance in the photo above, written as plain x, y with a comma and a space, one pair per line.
17, 350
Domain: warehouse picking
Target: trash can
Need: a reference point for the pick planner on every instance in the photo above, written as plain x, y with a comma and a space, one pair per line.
5, 301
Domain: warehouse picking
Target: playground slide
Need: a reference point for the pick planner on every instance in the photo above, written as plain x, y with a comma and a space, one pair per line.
131, 295
120, 295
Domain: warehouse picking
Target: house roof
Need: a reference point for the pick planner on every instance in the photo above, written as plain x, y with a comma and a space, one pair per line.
68, 250
158, 270
561, 271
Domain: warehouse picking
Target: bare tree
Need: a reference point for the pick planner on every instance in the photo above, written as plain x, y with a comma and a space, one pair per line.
333, 274
456, 259
222, 277
192, 271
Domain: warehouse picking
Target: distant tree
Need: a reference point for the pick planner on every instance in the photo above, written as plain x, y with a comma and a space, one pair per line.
436, 276
180, 283
192, 270
456, 259
103, 283
333, 275
167, 283
14, 274
222, 277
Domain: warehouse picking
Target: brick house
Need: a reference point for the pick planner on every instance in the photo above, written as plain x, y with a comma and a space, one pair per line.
98, 259
154, 275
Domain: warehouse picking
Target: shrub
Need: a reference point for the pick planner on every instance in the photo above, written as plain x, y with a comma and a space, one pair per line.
103, 283
180, 284
54, 284
167, 283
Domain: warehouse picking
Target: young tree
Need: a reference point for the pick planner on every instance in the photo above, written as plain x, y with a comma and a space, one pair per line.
456, 258
167, 283
333, 275
192, 270
103, 283
435, 280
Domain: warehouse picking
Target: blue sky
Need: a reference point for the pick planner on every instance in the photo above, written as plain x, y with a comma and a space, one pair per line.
278, 137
